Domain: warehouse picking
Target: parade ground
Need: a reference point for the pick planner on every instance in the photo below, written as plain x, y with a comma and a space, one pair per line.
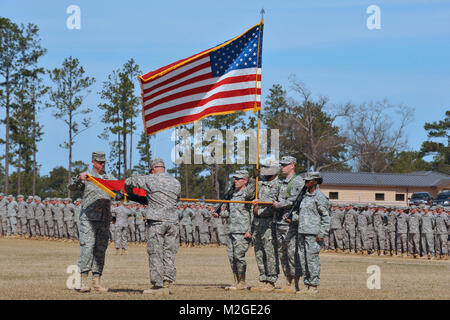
37, 269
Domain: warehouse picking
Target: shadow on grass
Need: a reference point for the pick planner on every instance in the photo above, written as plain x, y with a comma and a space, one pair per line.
125, 290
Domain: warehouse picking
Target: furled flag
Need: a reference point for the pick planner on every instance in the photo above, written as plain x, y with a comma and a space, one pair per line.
221, 80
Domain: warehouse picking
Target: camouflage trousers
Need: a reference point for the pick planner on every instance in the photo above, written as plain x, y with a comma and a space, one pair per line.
427, 243
31, 223
237, 247
391, 241
196, 234
362, 240
214, 234
131, 231
3, 225
120, 237
186, 233
442, 244
94, 236
413, 243
76, 229
49, 229
59, 228
336, 239
379, 240
402, 242
22, 228
265, 250
162, 246
40, 227
326, 242
287, 247
68, 228
350, 238
12, 230
204, 235
140, 232
308, 249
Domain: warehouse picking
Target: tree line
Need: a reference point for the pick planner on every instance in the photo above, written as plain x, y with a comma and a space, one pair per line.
360, 137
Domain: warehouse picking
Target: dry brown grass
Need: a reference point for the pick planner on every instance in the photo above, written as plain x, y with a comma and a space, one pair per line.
32, 269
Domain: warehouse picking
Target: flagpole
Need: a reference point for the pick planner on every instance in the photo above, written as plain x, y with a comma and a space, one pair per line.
256, 102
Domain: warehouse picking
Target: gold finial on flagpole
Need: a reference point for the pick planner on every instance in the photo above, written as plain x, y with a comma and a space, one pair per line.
262, 13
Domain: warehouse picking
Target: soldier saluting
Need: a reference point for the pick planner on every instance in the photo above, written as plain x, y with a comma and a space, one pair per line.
95, 218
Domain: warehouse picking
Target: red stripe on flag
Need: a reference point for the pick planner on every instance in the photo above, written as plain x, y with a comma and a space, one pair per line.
117, 185
216, 109
199, 103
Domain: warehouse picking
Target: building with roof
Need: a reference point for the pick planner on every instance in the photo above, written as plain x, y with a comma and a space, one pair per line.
381, 188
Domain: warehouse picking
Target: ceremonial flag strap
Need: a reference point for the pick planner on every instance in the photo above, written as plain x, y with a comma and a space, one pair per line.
111, 187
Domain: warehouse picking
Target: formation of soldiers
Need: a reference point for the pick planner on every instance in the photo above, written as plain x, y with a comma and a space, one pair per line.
58, 219
51, 218
415, 231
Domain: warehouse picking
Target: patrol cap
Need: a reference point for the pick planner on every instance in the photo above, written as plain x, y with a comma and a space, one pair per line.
30, 198
270, 168
10, 196
312, 176
1, 194
288, 160
20, 196
240, 174
156, 161
37, 198
98, 156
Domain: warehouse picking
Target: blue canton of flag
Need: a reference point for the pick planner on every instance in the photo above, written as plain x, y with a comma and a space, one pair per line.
238, 54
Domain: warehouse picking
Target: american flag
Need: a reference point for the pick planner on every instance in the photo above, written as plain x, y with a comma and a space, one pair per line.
220, 80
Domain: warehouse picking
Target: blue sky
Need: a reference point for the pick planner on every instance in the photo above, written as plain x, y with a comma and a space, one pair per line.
325, 44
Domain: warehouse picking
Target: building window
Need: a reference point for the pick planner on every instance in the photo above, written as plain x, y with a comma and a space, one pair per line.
334, 195
379, 196
400, 197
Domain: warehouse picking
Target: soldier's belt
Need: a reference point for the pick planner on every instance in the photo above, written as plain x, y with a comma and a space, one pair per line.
223, 201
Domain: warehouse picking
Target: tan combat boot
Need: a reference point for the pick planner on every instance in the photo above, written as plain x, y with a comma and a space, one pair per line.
167, 284
96, 284
312, 290
258, 288
117, 252
233, 287
270, 287
84, 283
289, 286
124, 252
158, 291
241, 282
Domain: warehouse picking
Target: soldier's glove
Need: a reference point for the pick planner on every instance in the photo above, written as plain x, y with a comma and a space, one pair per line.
119, 196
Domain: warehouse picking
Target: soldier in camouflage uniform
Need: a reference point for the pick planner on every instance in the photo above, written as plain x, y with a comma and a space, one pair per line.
140, 223
239, 227
371, 230
336, 230
39, 215
427, 226
378, 224
3, 215
350, 221
58, 216
205, 237
391, 227
196, 223
163, 192
22, 227
313, 225
413, 220
12, 216
48, 219
442, 223
122, 213
263, 230
363, 221
68, 212
76, 219
131, 225
186, 226
402, 232
30, 214
95, 219
287, 233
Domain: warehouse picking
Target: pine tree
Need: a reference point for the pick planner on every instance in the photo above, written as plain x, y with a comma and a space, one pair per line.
66, 97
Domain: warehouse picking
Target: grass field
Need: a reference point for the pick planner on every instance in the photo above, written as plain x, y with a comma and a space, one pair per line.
36, 269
